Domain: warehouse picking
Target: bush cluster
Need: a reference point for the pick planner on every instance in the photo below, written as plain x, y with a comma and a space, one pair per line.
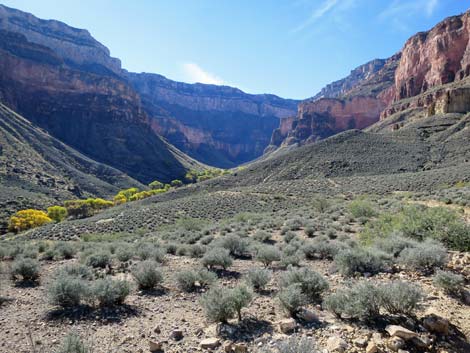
221, 304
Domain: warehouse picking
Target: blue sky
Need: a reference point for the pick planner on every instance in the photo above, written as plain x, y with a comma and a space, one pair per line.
291, 48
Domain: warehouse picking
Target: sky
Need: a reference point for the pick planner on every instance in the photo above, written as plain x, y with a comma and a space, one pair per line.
291, 48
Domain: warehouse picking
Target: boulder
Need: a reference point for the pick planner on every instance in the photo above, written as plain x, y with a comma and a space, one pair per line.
372, 347
210, 343
176, 335
436, 324
155, 346
395, 343
287, 326
308, 316
399, 331
336, 344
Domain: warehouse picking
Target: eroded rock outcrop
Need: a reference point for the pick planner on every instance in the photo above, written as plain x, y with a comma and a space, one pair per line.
219, 125
433, 58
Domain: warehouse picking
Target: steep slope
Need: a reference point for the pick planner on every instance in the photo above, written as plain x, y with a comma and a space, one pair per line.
37, 170
218, 125
80, 101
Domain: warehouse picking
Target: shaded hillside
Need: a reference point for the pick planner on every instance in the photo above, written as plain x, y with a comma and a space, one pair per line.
37, 170
83, 103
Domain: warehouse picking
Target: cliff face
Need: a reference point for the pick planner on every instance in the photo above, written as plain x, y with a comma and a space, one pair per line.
433, 58
75, 46
354, 102
218, 125
99, 114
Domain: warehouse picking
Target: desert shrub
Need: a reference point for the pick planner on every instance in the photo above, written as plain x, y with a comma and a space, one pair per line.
293, 345
362, 208
124, 252
289, 236
64, 250
109, 292
321, 205
73, 343
419, 222
360, 301
449, 282
290, 259
149, 251
26, 268
320, 249
67, 291
424, 256
237, 246
86, 208
312, 284
241, 296
99, 259
75, 270
57, 213
206, 240
400, 297
182, 250
262, 236
27, 219
394, 244
267, 254
217, 257
294, 224
361, 260
292, 299
310, 231
147, 275
171, 248
196, 250
155, 185
258, 278
217, 304
191, 280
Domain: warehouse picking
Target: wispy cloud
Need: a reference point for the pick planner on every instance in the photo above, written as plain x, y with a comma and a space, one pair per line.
316, 14
400, 11
194, 73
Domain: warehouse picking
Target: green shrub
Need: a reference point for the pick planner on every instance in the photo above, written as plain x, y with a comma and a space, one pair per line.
424, 256
148, 251
72, 343
191, 280
109, 292
361, 260
26, 268
449, 282
217, 257
258, 278
360, 301
312, 284
320, 249
292, 299
156, 185
362, 208
267, 254
290, 259
400, 298
57, 213
147, 275
67, 291
99, 259
294, 224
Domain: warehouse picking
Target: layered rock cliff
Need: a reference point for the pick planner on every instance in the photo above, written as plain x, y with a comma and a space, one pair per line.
99, 114
218, 125
354, 102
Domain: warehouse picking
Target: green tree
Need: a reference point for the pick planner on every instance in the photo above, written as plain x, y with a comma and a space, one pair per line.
57, 213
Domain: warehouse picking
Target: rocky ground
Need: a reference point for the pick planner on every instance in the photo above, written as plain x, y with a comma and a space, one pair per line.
175, 321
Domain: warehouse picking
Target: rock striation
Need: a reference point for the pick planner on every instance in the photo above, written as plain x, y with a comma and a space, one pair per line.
218, 125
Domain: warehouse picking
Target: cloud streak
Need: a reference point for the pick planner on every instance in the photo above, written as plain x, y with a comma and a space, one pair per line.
195, 73
316, 14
